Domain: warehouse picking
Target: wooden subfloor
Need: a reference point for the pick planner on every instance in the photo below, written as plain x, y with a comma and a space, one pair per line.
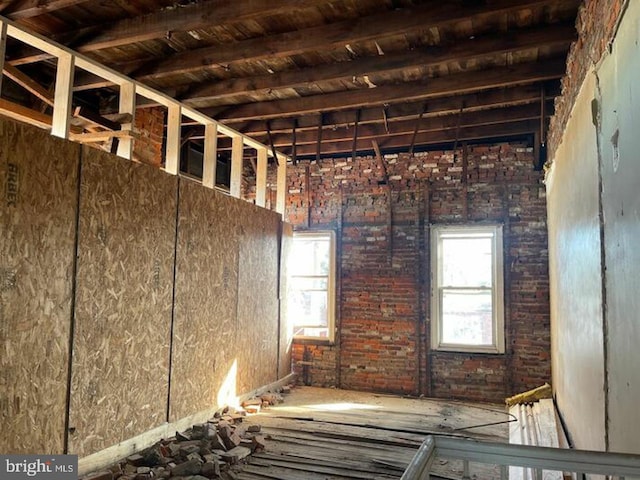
339, 434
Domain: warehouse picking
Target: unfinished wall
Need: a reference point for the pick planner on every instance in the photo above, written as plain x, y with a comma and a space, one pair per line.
258, 270
205, 330
620, 165
38, 177
598, 390
383, 234
225, 337
88, 246
124, 298
576, 279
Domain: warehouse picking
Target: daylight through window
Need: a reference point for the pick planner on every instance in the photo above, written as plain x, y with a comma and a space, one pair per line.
467, 289
311, 285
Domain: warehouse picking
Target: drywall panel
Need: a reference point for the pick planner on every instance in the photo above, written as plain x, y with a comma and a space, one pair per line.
620, 147
576, 278
126, 244
258, 273
38, 178
286, 328
205, 344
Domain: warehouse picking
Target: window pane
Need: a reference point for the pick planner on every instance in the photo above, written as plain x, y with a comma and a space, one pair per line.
467, 262
308, 308
309, 283
310, 256
467, 317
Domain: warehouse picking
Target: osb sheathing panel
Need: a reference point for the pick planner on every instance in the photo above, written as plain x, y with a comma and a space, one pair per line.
286, 329
257, 348
205, 344
124, 301
38, 178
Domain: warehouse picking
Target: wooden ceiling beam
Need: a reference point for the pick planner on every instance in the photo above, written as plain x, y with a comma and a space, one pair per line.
386, 24
406, 127
430, 56
201, 15
23, 9
483, 100
389, 94
425, 138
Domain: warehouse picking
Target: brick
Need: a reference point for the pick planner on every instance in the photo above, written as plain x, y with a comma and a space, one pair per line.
383, 325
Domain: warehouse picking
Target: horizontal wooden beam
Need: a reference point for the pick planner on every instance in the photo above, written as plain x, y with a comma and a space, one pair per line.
201, 15
477, 101
472, 119
334, 35
426, 138
411, 91
354, 70
23, 9
26, 115
96, 137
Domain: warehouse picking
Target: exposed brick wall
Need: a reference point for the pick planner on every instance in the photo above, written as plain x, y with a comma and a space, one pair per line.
596, 24
149, 124
383, 238
323, 371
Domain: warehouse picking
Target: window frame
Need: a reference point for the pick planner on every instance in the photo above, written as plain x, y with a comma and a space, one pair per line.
437, 234
331, 284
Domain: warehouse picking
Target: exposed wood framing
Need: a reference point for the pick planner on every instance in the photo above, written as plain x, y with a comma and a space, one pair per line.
281, 188
436, 87
127, 105
426, 138
201, 15
407, 127
424, 57
172, 152
476, 101
210, 159
261, 178
23, 9
63, 95
237, 157
24, 114
336, 34
3, 48
97, 137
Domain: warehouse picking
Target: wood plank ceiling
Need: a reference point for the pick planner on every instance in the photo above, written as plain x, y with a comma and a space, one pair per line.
335, 75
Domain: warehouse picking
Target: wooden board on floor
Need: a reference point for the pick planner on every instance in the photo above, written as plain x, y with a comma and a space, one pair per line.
38, 175
258, 311
124, 296
205, 346
338, 434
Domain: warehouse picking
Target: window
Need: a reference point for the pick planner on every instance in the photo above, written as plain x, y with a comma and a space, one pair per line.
311, 302
467, 289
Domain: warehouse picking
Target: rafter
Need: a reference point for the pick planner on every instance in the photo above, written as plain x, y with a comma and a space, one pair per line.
502, 97
544, 36
410, 91
398, 22
473, 119
201, 15
427, 138
196, 16
23, 9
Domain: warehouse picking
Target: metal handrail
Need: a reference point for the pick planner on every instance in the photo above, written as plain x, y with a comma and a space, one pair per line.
540, 458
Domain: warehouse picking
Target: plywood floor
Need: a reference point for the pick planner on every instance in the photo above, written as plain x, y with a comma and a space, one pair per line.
339, 434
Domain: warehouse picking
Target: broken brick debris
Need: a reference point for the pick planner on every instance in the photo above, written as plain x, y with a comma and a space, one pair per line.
205, 451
